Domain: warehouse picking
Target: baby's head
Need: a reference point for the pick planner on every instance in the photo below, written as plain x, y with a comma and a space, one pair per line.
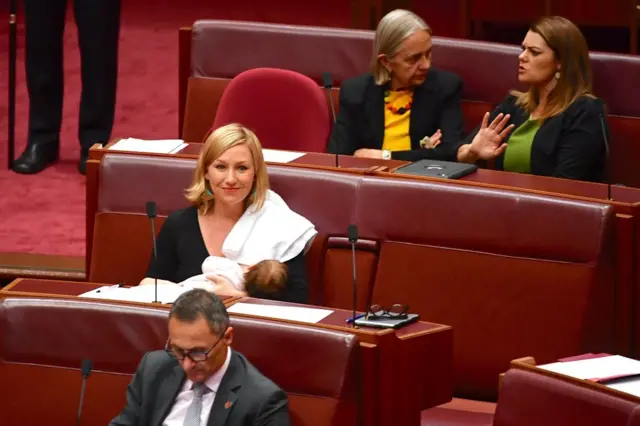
268, 276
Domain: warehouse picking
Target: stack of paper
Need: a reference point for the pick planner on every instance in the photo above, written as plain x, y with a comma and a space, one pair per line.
277, 156
292, 313
616, 372
161, 146
167, 293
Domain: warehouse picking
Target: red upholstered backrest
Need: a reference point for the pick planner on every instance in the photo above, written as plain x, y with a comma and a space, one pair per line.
286, 109
514, 274
530, 399
308, 50
44, 341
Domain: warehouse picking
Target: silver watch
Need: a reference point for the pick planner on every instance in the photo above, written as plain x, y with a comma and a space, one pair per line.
386, 154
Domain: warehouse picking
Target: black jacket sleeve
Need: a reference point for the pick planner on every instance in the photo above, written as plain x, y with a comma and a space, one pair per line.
581, 150
343, 139
451, 124
297, 288
131, 413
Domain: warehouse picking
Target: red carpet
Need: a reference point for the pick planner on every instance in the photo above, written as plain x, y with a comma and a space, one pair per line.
45, 213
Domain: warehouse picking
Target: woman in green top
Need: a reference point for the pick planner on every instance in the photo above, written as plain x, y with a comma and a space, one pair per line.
557, 127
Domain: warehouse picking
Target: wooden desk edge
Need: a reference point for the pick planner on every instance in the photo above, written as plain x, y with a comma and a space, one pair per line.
97, 152
437, 329
15, 282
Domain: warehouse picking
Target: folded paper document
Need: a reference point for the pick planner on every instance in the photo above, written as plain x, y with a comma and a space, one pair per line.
614, 371
167, 293
292, 313
162, 146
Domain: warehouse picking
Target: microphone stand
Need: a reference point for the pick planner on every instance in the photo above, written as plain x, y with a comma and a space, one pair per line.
11, 128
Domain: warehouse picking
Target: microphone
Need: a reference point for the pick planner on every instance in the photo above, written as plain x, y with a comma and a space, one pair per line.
87, 365
327, 83
607, 166
151, 214
352, 234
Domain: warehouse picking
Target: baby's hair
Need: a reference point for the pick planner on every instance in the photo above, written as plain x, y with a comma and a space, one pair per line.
268, 276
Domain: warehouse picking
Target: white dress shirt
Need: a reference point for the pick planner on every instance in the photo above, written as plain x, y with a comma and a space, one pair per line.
178, 412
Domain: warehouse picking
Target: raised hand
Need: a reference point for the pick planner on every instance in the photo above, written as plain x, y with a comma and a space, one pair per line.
488, 142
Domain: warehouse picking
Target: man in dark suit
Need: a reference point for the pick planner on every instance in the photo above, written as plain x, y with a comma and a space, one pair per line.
198, 379
98, 23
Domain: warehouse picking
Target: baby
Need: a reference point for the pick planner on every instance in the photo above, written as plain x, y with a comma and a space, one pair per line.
268, 276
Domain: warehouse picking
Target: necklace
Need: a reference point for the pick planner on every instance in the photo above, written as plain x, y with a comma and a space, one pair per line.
394, 109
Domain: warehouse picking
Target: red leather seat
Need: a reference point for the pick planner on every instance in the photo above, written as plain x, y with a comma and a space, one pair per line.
286, 109
529, 399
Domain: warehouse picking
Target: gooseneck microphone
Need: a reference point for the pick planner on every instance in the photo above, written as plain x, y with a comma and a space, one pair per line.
607, 164
352, 235
87, 365
327, 83
151, 214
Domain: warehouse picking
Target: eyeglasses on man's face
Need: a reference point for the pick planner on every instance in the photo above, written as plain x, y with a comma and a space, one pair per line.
193, 355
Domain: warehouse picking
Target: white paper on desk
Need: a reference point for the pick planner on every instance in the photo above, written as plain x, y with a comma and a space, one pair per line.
167, 293
629, 385
596, 368
160, 146
292, 313
278, 156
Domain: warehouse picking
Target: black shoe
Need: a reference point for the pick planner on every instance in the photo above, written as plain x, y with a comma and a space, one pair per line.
36, 158
82, 164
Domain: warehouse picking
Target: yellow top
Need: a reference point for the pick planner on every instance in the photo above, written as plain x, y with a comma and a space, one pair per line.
396, 124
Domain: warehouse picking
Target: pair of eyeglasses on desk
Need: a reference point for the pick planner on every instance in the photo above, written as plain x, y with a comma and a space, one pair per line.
396, 311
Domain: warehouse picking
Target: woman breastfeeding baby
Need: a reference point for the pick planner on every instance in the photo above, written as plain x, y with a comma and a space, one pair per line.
238, 237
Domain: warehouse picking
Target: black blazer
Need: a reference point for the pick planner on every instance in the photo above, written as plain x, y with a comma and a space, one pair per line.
569, 145
436, 105
253, 399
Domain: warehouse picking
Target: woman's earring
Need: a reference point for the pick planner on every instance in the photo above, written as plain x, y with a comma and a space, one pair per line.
208, 192
557, 75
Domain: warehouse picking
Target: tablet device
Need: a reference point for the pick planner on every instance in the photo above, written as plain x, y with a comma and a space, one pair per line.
441, 169
387, 322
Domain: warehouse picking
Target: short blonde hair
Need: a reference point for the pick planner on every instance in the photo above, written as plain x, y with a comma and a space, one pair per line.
570, 49
219, 141
393, 29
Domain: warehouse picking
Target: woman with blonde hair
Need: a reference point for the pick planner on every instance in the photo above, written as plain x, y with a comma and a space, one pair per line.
556, 128
233, 215
403, 109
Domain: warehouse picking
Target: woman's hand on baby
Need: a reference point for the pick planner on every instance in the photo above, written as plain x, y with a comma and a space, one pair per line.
222, 286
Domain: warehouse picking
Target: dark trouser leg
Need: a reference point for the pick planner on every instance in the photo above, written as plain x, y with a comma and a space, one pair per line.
98, 24
44, 25
44, 28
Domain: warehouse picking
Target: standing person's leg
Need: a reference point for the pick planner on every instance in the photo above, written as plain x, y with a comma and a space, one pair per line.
44, 29
98, 24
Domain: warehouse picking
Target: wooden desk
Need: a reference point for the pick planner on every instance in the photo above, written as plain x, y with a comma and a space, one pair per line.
559, 399
484, 177
59, 289
414, 363
192, 151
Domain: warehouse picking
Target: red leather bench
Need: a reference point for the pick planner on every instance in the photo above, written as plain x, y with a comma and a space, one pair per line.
487, 69
516, 274
529, 399
44, 341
